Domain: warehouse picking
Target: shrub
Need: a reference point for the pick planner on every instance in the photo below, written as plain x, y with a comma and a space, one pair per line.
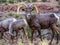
44, 0
58, 25
2, 1
58, 6
6, 3
17, 15
28, 30
34, 0
10, 13
11, 1
20, 17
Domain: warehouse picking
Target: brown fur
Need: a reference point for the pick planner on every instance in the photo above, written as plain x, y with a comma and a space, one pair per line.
38, 22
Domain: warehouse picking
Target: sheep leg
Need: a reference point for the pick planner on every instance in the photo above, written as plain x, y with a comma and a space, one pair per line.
1, 35
25, 32
54, 30
52, 37
32, 32
12, 41
57, 39
39, 31
16, 37
52, 34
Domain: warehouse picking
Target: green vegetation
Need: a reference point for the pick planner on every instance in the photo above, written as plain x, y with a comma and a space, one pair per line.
44, 0
11, 1
19, 0
6, 3
58, 6
2, 1
14, 1
34, 0
16, 15
10, 13
20, 17
58, 25
20, 43
34, 12
28, 30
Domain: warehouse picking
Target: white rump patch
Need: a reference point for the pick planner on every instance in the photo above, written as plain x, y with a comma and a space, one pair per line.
56, 17
14, 20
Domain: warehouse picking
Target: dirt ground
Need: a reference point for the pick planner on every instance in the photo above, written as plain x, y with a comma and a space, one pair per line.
37, 42
23, 41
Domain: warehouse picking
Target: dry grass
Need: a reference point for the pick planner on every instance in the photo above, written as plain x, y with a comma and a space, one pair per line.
44, 42
37, 42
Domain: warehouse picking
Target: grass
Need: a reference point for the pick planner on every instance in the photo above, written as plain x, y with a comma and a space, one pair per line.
10, 13
17, 16
28, 31
58, 6
44, 42
20, 43
6, 3
58, 25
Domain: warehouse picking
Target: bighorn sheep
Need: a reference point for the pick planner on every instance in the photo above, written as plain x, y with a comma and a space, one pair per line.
38, 22
16, 26
4, 25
